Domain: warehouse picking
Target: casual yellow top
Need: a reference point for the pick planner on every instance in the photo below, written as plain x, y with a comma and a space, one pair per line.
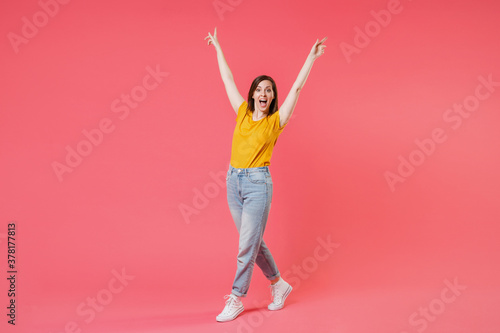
253, 141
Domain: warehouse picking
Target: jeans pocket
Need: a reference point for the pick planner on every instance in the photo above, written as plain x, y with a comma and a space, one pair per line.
257, 177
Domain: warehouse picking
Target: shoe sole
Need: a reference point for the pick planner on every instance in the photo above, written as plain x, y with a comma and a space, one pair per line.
285, 295
221, 320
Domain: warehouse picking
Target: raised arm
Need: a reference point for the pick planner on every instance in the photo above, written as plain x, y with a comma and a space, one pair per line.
234, 95
288, 105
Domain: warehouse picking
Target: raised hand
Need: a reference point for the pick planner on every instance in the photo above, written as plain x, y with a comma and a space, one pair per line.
318, 49
213, 39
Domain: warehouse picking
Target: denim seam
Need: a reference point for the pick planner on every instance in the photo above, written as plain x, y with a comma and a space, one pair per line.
266, 173
256, 248
272, 277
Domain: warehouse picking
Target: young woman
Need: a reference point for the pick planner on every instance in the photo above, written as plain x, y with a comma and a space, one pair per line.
259, 122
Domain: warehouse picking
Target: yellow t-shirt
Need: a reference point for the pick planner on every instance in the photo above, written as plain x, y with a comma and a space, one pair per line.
253, 141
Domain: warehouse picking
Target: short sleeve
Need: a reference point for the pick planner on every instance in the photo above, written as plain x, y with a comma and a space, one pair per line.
241, 110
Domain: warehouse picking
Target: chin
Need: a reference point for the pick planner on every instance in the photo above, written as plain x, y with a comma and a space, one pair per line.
263, 109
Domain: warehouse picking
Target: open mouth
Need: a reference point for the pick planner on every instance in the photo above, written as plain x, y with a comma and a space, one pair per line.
262, 103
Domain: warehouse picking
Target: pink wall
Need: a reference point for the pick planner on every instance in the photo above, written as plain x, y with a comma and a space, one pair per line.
393, 152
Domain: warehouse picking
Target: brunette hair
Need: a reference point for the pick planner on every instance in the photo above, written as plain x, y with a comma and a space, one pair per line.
251, 103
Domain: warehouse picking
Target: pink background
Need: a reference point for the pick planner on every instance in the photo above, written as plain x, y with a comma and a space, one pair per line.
358, 115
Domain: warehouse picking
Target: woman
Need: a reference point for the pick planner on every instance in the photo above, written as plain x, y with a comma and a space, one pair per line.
259, 122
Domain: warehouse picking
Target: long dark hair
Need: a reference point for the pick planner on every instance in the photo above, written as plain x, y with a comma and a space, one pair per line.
251, 102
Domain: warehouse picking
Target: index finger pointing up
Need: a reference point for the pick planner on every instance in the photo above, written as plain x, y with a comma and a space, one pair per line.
323, 40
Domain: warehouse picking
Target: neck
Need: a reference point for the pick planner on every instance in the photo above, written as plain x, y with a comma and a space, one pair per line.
257, 114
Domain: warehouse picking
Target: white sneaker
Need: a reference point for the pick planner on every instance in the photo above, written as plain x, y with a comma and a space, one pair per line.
233, 308
279, 291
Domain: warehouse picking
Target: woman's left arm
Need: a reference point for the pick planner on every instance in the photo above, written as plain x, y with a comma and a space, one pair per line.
288, 105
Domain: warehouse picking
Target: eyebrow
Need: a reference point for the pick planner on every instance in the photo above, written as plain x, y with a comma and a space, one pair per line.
265, 87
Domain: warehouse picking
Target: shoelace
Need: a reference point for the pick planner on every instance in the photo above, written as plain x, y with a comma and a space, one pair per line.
230, 301
276, 297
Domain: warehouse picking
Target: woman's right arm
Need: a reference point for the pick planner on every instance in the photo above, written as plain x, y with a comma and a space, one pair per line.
234, 95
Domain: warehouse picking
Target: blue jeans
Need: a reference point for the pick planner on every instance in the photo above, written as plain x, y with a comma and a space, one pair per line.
249, 194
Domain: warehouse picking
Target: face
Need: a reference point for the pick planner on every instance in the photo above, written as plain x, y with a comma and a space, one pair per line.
263, 96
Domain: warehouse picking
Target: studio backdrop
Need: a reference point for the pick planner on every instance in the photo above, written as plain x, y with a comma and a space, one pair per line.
115, 140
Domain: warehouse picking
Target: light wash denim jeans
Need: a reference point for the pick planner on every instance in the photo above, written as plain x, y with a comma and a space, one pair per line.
249, 194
